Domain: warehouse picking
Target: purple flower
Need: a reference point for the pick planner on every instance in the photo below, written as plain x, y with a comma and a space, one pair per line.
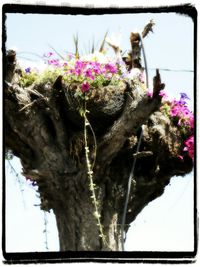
184, 96
181, 102
28, 70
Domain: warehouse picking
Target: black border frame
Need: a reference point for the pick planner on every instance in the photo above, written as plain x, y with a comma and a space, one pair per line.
95, 256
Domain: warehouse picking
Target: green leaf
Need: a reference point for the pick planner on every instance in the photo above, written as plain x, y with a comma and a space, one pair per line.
82, 112
97, 215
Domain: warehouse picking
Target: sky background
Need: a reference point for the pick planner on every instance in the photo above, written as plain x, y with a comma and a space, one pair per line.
166, 224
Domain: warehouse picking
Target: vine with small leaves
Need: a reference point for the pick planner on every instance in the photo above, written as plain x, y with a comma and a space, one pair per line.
92, 186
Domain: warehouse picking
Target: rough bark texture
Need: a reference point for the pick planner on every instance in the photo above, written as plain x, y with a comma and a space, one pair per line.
44, 129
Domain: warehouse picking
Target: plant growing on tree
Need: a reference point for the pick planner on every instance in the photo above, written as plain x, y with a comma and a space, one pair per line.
78, 123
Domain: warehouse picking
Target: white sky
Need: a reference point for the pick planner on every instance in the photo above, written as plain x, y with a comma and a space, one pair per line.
166, 224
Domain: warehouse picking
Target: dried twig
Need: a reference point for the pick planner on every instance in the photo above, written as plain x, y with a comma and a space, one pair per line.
135, 39
148, 28
143, 154
28, 105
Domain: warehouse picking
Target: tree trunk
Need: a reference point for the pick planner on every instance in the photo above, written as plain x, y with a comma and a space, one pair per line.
77, 226
44, 129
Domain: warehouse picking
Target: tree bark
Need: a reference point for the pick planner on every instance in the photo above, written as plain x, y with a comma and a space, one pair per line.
44, 129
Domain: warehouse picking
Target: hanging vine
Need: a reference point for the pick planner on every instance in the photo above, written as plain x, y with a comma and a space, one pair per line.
92, 185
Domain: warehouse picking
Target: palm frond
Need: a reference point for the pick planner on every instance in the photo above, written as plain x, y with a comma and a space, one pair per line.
92, 50
103, 43
75, 37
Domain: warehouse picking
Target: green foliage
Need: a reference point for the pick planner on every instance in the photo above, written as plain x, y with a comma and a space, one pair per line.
28, 78
100, 81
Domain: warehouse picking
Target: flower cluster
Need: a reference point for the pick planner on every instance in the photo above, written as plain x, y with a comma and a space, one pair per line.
182, 118
179, 110
90, 71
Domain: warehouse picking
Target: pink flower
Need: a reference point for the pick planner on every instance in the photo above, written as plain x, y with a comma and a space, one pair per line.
111, 68
191, 121
85, 87
97, 68
163, 94
150, 93
189, 146
175, 110
80, 64
88, 74
54, 62
48, 54
78, 71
